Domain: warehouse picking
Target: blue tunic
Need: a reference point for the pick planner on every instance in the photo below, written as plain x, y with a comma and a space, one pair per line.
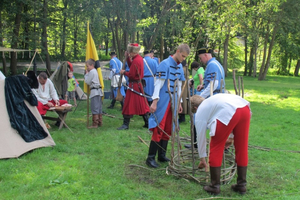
214, 68
156, 59
116, 65
167, 69
148, 75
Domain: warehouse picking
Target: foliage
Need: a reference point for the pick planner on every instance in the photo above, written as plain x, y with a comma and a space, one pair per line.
105, 163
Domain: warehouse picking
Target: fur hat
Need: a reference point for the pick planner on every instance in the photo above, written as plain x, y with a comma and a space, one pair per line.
133, 48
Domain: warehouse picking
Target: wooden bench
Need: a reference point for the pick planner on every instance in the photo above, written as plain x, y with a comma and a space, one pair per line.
61, 112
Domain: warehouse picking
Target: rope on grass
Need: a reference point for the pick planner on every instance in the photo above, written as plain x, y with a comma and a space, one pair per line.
270, 149
182, 164
183, 167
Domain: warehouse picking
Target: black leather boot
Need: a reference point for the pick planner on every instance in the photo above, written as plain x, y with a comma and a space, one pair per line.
214, 187
240, 187
188, 146
145, 118
151, 155
112, 104
181, 118
162, 151
125, 124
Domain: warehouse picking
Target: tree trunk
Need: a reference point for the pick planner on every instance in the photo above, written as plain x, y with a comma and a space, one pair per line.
4, 70
265, 70
226, 43
255, 57
296, 72
14, 44
246, 56
63, 47
251, 60
264, 53
75, 37
161, 50
45, 37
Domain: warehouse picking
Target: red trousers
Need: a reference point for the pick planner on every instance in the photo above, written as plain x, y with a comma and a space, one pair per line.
165, 124
44, 108
239, 125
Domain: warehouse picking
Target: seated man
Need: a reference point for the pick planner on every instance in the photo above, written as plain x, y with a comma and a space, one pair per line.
46, 94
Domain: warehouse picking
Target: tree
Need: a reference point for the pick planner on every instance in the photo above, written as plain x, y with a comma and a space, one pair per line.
14, 44
45, 35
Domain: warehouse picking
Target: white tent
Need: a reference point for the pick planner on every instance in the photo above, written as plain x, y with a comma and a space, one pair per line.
11, 143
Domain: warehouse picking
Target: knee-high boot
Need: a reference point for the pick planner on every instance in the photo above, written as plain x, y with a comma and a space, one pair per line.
145, 118
188, 146
162, 151
214, 187
100, 120
95, 122
240, 187
125, 124
151, 155
112, 104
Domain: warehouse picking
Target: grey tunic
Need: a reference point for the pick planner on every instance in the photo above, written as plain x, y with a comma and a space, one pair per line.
91, 78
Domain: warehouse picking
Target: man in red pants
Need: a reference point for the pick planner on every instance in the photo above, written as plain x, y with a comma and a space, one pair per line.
222, 114
46, 94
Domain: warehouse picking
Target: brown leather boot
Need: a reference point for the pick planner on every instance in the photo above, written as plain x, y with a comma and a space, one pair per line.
95, 122
100, 120
214, 187
240, 187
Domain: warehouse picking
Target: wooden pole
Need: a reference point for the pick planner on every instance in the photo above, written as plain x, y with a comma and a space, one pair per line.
234, 81
88, 107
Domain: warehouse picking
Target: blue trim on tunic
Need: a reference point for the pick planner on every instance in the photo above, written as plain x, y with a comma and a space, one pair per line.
167, 69
211, 70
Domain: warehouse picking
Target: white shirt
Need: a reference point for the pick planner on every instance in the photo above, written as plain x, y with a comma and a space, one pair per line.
218, 107
46, 93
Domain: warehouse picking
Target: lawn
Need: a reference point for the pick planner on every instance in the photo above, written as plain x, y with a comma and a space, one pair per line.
105, 163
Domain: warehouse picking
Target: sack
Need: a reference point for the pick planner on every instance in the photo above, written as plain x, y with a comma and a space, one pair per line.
115, 80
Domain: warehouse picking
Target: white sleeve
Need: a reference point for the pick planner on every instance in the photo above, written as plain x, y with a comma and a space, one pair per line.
201, 138
179, 90
43, 101
206, 91
157, 86
53, 93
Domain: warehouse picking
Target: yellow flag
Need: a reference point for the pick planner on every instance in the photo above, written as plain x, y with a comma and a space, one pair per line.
91, 52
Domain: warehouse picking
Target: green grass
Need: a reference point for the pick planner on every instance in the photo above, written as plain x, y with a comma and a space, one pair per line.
100, 163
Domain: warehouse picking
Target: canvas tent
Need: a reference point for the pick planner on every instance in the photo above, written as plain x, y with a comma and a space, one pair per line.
12, 145
60, 80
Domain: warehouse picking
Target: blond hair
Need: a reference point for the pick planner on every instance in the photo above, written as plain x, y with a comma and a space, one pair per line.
184, 48
196, 100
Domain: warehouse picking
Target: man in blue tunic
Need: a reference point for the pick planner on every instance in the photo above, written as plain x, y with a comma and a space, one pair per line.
214, 72
115, 65
150, 67
160, 121
153, 57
